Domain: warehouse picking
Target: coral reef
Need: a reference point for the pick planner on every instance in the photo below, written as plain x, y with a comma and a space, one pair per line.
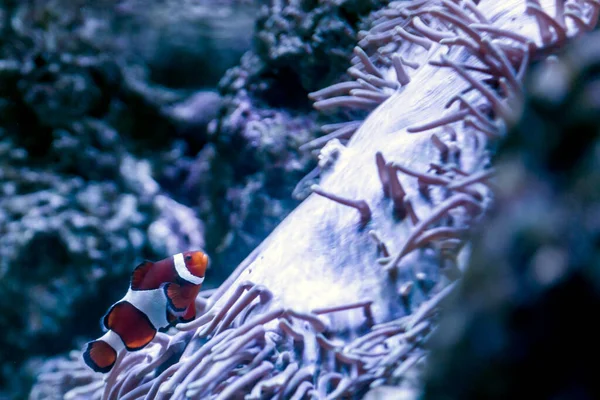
83, 129
343, 296
66, 240
302, 46
266, 117
187, 44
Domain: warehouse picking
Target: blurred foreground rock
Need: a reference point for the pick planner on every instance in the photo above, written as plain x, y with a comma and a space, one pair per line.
523, 322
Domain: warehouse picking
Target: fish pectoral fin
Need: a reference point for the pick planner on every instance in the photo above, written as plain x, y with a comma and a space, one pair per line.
139, 273
178, 296
190, 313
171, 317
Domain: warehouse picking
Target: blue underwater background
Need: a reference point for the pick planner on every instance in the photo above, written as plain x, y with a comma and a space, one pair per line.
137, 129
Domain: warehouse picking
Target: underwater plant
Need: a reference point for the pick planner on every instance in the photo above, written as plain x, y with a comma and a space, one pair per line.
342, 297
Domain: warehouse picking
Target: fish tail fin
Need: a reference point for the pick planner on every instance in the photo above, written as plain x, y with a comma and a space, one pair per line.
100, 356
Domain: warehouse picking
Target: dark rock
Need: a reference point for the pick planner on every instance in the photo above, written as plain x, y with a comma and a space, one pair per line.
522, 324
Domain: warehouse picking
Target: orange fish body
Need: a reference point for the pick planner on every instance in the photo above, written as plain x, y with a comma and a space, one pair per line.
160, 295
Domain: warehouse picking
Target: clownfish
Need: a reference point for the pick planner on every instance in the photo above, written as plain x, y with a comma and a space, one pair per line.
160, 295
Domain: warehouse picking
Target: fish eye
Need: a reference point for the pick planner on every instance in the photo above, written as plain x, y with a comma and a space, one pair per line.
188, 258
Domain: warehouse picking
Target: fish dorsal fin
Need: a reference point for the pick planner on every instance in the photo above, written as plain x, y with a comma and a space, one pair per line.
178, 296
139, 273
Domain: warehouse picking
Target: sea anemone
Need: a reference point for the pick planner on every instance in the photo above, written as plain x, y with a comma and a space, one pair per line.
342, 296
